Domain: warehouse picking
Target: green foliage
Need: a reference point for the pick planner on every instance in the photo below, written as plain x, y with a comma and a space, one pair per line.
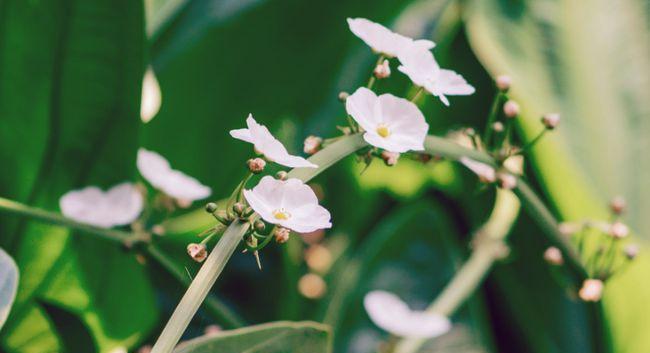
8, 285
275, 337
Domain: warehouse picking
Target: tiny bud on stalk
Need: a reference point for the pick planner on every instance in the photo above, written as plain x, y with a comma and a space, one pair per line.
503, 83
256, 165
158, 230
551, 121
497, 126
238, 208
211, 207
259, 226
212, 329
511, 109
197, 252
617, 205
592, 290
281, 235
390, 158
553, 256
618, 230
281, 175
343, 96
382, 70
312, 144
631, 251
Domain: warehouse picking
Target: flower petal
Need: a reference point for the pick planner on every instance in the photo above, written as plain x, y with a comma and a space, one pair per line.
484, 171
121, 205
362, 106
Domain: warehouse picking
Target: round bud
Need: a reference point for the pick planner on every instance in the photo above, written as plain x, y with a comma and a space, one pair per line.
197, 252
382, 70
238, 208
312, 286
553, 256
497, 126
212, 329
617, 205
511, 109
259, 226
551, 121
618, 230
256, 165
158, 230
390, 158
631, 251
281, 235
343, 96
312, 144
592, 290
281, 175
503, 83
211, 207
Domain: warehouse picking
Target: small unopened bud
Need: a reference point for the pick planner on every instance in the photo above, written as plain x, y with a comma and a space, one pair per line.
256, 165
281, 175
390, 158
211, 207
497, 126
158, 230
631, 251
259, 226
197, 252
281, 235
617, 205
618, 230
382, 70
592, 290
553, 256
312, 286
503, 83
551, 121
212, 329
312, 144
343, 96
238, 208
511, 109
507, 181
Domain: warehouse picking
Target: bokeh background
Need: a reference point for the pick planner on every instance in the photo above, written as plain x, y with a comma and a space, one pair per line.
70, 88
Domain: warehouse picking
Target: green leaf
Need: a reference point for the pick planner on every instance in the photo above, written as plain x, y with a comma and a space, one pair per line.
8, 285
588, 61
275, 337
69, 102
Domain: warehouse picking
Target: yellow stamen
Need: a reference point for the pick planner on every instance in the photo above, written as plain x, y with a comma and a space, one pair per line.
281, 214
383, 131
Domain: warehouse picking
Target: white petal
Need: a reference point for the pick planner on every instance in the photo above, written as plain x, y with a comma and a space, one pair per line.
419, 65
121, 205
242, 134
308, 219
126, 203
151, 96
362, 106
376, 36
485, 171
452, 84
390, 313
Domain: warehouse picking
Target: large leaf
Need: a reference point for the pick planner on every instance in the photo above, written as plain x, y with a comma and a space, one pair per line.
275, 337
8, 285
589, 61
69, 97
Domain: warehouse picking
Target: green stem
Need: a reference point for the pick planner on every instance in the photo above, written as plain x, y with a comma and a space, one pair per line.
494, 112
490, 242
22, 210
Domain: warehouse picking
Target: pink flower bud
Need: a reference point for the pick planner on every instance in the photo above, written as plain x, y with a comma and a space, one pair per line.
212, 329
551, 121
631, 251
390, 158
197, 252
256, 165
343, 96
497, 126
618, 230
312, 144
503, 83
281, 175
617, 205
592, 290
511, 109
312, 286
553, 256
382, 70
281, 235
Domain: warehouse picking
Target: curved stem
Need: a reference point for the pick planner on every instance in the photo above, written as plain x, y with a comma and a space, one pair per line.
489, 245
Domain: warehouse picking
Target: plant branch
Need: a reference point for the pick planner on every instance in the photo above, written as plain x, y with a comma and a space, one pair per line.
489, 245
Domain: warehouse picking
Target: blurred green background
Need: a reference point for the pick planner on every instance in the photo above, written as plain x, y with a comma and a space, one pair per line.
70, 87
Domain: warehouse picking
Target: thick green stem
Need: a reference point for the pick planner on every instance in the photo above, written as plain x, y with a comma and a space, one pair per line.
489, 246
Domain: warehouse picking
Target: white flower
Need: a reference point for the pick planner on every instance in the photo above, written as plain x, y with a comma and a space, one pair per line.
156, 169
382, 39
390, 313
420, 66
485, 172
120, 205
268, 145
391, 123
289, 203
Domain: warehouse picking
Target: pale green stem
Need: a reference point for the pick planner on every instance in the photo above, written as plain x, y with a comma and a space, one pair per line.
489, 245
216, 261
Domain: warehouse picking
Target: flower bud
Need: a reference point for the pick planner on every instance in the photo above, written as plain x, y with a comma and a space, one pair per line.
382, 70
553, 256
197, 252
256, 165
506, 180
497, 126
312, 286
592, 290
318, 258
281, 175
390, 158
551, 121
618, 230
503, 83
617, 205
312, 144
158, 230
343, 96
259, 226
238, 208
281, 235
631, 251
212, 329
511, 109
211, 207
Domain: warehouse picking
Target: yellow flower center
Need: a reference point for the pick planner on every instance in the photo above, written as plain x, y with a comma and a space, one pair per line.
383, 131
281, 214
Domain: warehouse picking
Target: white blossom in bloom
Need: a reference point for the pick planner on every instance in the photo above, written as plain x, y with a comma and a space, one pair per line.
485, 172
157, 171
383, 40
289, 203
268, 145
391, 123
119, 205
421, 67
390, 313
